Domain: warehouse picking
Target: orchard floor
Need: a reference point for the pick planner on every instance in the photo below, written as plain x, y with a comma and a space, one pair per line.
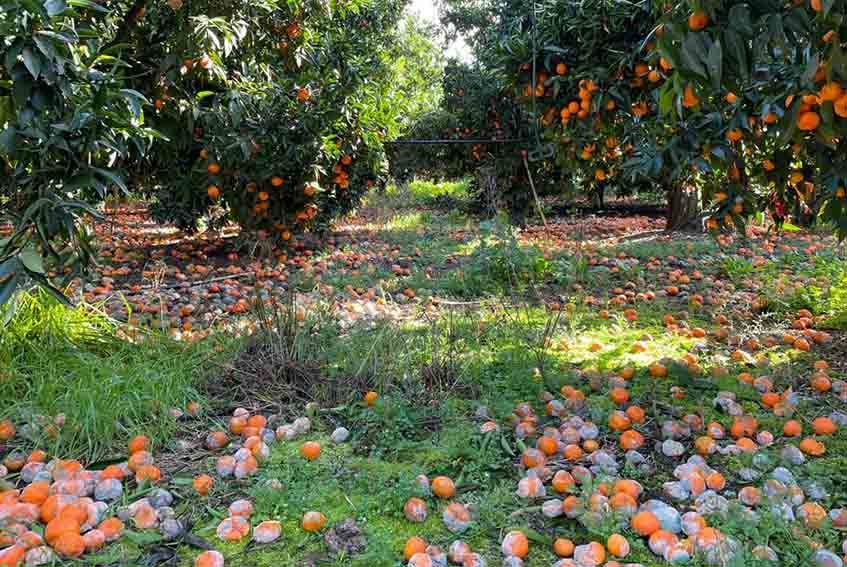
472, 337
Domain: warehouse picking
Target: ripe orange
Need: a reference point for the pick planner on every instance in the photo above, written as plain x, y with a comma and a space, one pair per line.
213, 168
60, 526
808, 121
698, 20
311, 450
313, 521
149, 473
619, 395
213, 192
563, 547
840, 106
209, 558
203, 484
7, 430
812, 447
138, 443
112, 528
70, 545
645, 523
824, 426
443, 487
413, 545
631, 439
548, 445
515, 544
792, 428
658, 370
689, 99
618, 545
831, 91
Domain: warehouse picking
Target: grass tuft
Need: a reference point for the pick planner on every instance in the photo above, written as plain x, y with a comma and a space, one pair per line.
77, 386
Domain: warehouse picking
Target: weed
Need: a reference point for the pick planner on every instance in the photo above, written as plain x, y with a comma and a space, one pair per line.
500, 263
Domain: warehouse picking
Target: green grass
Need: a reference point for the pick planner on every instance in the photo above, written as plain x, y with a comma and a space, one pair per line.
431, 377
62, 361
419, 193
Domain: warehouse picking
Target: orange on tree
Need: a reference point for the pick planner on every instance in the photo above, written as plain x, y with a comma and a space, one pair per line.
698, 20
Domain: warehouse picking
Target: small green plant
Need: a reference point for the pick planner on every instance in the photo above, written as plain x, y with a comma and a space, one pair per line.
571, 270
838, 300
500, 263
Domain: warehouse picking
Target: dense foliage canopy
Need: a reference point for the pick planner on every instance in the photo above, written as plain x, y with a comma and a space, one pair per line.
270, 113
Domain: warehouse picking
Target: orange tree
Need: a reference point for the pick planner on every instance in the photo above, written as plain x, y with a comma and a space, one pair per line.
66, 121
768, 75
733, 108
486, 133
274, 112
270, 112
591, 74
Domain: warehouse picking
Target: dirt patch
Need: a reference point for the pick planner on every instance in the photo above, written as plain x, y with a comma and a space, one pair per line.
346, 538
266, 378
835, 352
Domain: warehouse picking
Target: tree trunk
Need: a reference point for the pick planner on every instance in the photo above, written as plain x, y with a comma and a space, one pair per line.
684, 209
598, 195
803, 214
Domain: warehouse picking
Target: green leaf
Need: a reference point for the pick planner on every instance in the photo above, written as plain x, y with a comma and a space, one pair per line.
32, 61
693, 54
80, 181
737, 48
142, 538
789, 122
113, 177
739, 19
63, 37
45, 47
55, 7
22, 91
88, 4
12, 53
7, 141
8, 288
136, 94
32, 260
10, 278
134, 99
715, 64
811, 69
666, 98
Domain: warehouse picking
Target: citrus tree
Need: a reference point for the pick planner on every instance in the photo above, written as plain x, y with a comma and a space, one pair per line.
482, 134
67, 122
767, 76
270, 113
732, 108
591, 77
275, 113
